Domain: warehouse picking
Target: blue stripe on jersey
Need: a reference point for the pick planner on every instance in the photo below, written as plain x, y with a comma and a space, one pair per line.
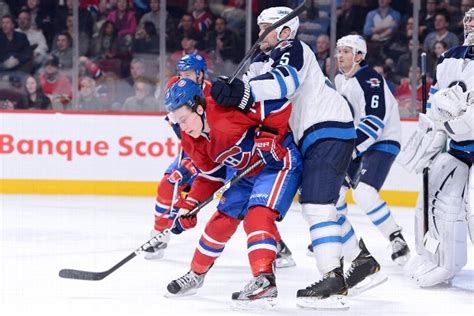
272, 105
388, 147
281, 83
328, 132
268, 241
466, 146
376, 120
339, 222
210, 249
367, 130
294, 75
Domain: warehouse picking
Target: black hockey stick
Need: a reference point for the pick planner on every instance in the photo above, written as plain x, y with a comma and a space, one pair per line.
96, 276
424, 98
300, 9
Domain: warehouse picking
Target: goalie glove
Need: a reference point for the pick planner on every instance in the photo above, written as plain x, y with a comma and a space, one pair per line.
236, 94
448, 104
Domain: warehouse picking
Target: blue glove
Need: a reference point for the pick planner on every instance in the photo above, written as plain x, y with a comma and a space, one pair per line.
184, 222
183, 173
237, 94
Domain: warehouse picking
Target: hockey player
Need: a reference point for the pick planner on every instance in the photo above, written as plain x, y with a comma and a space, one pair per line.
322, 123
259, 199
450, 115
193, 67
378, 140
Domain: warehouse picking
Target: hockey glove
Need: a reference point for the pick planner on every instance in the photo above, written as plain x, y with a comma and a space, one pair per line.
184, 222
186, 171
269, 146
236, 94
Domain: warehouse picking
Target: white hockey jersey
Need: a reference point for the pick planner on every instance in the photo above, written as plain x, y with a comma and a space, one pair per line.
292, 71
456, 67
375, 108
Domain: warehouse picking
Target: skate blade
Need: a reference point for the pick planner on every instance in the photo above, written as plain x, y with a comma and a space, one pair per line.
187, 293
368, 283
154, 255
331, 303
254, 305
284, 262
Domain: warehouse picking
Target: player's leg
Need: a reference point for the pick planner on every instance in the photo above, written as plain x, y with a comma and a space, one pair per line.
375, 168
444, 246
324, 168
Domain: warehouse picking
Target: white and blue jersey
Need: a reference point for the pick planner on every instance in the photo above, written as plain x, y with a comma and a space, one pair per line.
292, 71
375, 111
456, 67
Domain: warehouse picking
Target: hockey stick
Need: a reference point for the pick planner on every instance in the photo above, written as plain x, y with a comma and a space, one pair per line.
424, 98
96, 276
301, 8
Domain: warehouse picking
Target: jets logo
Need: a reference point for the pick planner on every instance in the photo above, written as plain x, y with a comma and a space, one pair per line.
284, 44
374, 82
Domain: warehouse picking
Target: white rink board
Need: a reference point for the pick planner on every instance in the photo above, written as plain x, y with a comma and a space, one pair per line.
122, 147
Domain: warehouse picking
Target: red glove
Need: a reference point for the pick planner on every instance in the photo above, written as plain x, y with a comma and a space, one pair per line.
269, 146
185, 222
183, 173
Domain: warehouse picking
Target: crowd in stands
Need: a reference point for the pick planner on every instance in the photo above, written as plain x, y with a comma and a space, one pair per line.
119, 45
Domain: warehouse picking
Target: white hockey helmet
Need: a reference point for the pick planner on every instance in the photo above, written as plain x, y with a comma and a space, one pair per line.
271, 15
356, 42
468, 30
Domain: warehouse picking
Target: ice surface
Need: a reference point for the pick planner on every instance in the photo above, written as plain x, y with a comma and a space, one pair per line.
42, 234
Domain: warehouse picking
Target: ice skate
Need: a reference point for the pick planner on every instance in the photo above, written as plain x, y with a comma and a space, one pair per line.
364, 272
284, 258
327, 293
188, 284
309, 251
400, 250
260, 293
157, 250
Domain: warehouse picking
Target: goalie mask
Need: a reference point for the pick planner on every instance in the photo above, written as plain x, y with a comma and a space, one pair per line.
469, 27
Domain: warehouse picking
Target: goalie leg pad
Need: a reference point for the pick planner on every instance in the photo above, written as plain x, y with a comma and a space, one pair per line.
470, 205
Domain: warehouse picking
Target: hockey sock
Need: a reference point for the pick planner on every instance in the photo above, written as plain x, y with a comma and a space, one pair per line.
218, 231
259, 224
350, 245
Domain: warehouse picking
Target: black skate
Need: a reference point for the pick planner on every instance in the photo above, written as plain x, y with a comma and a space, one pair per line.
259, 293
188, 284
283, 256
310, 251
328, 293
400, 250
363, 274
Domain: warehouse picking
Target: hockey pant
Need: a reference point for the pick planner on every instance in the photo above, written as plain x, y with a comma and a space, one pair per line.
259, 225
444, 244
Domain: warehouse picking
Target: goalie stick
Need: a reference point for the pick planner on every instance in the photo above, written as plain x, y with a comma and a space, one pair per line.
96, 276
424, 100
300, 9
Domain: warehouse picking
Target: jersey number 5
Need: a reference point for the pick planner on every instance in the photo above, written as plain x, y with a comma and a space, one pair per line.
374, 103
285, 59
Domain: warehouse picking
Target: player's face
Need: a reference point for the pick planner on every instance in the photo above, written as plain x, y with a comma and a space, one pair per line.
189, 122
190, 74
270, 41
345, 58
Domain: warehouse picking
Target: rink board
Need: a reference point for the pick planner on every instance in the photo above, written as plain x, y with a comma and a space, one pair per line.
112, 154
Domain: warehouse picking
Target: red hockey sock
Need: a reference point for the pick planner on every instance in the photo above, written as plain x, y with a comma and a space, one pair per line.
218, 231
259, 224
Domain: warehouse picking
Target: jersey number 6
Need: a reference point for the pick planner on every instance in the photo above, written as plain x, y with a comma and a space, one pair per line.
375, 102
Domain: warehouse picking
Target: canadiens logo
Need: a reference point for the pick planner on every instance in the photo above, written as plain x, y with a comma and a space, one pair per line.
374, 82
234, 157
284, 44
181, 83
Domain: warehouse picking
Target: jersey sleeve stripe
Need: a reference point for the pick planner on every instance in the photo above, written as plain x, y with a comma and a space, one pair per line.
281, 82
294, 75
367, 131
376, 121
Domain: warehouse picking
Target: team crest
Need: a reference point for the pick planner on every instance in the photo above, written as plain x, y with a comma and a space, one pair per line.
374, 82
284, 44
181, 83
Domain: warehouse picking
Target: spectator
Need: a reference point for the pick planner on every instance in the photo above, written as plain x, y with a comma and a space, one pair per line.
88, 99
35, 38
4, 9
87, 68
398, 44
154, 17
427, 17
34, 97
104, 45
322, 51
403, 95
86, 22
55, 84
143, 100
350, 19
381, 23
441, 33
10, 92
84, 38
63, 50
188, 46
235, 16
15, 50
125, 23
223, 44
439, 47
313, 23
202, 18
147, 42
185, 28
403, 64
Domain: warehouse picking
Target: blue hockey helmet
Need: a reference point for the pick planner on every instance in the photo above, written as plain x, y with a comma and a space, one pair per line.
182, 93
192, 62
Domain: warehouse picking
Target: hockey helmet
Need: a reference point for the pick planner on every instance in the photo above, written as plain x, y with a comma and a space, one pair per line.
192, 62
356, 42
182, 93
271, 15
468, 29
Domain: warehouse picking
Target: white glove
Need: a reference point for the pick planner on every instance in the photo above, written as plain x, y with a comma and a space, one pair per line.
448, 103
11, 62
